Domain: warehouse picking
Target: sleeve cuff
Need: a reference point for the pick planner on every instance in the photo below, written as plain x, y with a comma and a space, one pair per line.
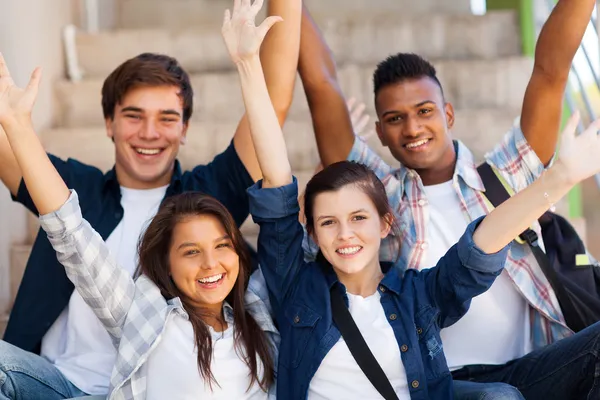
474, 258
66, 219
359, 148
276, 202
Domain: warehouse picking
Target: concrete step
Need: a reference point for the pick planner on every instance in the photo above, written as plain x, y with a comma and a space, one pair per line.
480, 129
476, 84
19, 254
3, 322
353, 39
178, 13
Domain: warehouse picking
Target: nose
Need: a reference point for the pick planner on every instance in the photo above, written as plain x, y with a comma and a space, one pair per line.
412, 127
149, 131
209, 261
345, 232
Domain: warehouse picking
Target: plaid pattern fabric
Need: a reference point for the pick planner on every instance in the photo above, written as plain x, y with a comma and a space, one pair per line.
133, 313
520, 166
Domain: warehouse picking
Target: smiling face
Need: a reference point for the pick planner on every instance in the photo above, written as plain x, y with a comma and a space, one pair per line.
348, 230
203, 262
414, 122
147, 130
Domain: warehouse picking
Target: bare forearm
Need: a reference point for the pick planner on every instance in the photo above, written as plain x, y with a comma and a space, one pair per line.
561, 36
46, 188
279, 54
329, 112
264, 126
516, 214
10, 173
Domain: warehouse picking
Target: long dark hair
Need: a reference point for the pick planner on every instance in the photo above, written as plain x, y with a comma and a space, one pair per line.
341, 174
154, 263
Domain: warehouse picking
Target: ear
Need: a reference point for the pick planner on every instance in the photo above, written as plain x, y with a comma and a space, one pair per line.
183, 139
449, 115
380, 133
386, 225
108, 123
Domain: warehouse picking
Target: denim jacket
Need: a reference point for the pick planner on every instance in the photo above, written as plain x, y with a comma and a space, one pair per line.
134, 313
417, 304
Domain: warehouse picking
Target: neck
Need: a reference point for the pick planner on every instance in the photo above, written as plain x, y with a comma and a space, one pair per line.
131, 183
363, 283
212, 315
442, 172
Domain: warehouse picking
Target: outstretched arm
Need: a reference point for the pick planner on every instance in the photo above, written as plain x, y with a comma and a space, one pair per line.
328, 109
556, 47
577, 160
10, 173
243, 41
46, 187
279, 59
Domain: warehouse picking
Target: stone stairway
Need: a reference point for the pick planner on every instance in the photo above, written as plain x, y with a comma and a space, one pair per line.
478, 59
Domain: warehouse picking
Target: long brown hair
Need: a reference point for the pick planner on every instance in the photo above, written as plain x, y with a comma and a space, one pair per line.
338, 175
154, 263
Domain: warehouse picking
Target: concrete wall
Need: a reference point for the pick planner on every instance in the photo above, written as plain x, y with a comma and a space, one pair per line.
30, 35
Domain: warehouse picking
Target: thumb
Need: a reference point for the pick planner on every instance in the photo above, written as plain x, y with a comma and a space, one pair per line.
34, 82
267, 24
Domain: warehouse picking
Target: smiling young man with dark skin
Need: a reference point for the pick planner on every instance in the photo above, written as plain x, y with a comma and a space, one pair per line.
147, 105
516, 332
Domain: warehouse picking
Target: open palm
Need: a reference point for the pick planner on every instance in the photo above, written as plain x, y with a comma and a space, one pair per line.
13, 99
242, 37
580, 155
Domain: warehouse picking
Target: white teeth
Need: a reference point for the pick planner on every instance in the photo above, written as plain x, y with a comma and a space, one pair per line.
150, 152
349, 250
417, 144
211, 279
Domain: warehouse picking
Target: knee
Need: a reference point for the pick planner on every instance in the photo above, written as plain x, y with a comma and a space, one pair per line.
8, 354
501, 391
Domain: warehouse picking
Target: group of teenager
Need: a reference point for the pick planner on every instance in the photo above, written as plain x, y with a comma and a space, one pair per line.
140, 284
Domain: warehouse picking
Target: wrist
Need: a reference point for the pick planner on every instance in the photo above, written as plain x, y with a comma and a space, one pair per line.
16, 120
558, 181
249, 66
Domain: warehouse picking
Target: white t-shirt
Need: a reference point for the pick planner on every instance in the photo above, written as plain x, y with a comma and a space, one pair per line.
77, 343
496, 328
172, 368
340, 377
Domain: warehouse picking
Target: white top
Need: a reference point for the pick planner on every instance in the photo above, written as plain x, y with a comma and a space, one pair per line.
77, 343
496, 328
340, 377
172, 369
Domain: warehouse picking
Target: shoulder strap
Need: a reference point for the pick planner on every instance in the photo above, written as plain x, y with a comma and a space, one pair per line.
496, 193
358, 347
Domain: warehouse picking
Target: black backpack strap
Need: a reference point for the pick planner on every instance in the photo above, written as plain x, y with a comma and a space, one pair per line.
358, 347
496, 193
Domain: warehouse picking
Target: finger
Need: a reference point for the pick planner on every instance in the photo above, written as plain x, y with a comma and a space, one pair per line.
592, 129
226, 18
267, 24
358, 111
362, 123
236, 6
257, 6
4, 72
34, 82
245, 3
350, 103
571, 125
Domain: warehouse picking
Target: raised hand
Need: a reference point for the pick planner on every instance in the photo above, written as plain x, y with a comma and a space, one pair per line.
579, 155
14, 101
242, 37
359, 118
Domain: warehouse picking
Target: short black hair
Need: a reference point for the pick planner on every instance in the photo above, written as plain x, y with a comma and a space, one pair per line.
400, 67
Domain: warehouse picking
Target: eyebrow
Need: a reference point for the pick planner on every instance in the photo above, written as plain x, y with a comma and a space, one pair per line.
139, 110
360, 210
421, 104
191, 244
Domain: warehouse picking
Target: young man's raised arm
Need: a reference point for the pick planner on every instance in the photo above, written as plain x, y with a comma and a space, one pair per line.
328, 108
279, 59
556, 47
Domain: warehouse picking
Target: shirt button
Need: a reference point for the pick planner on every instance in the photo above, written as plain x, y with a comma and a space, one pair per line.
415, 384
404, 348
421, 202
296, 319
419, 331
393, 317
382, 289
424, 246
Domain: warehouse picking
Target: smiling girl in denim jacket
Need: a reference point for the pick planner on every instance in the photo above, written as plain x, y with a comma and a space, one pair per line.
347, 214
